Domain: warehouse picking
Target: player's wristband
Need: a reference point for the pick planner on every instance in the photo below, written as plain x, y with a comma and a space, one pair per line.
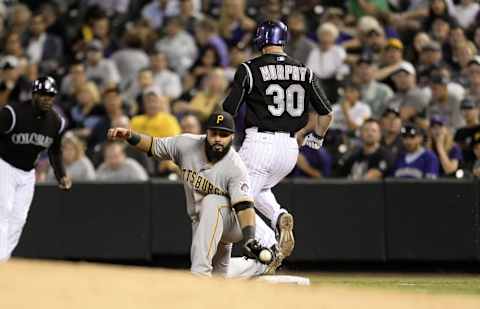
134, 139
248, 232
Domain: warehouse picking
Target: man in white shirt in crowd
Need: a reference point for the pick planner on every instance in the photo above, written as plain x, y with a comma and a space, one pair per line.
178, 45
103, 72
168, 81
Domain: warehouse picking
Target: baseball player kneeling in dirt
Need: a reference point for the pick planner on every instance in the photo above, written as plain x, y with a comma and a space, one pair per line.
216, 189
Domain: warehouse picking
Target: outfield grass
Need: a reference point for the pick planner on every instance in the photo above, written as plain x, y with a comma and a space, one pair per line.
428, 283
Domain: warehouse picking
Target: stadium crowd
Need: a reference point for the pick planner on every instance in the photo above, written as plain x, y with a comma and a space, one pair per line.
403, 75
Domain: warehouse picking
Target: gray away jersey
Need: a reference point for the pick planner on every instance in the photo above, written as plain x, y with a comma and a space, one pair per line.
227, 177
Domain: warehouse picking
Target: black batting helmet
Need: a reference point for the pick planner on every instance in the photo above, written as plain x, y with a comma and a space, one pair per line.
45, 85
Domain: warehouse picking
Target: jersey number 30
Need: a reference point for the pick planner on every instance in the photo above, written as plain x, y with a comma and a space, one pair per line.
284, 99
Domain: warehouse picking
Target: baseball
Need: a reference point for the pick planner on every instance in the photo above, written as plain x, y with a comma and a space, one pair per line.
265, 256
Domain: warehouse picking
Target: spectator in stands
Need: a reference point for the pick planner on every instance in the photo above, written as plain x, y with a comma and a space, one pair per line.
443, 103
391, 60
369, 161
44, 49
463, 53
441, 142
101, 31
134, 94
102, 71
117, 167
440, 32
299, 45
19, 18
473, 90
189, 16
417, 161
178, 45
429, 57
420, 40
191, 124
157, 11
313, 163
350, 112
464, 136
235, 26
208, 61
113, 8
391, 124
465, 12
408, 98
113, 106
370, 38
166, 80
362, 8
75, 78
13, 45
78, 167
454, 88
327, 60
206, 34
87, 112
131, 59
237, 57
270, 10
476, 37
373, 93
157, 120
207, 100
437, 9
14, 86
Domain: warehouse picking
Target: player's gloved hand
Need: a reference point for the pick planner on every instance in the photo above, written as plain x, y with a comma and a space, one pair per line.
251, 248
313, 141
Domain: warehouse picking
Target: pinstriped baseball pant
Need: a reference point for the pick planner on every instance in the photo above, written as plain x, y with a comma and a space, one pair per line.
16, 193
269, 158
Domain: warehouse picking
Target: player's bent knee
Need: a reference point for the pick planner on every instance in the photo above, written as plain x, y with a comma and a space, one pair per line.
214, 201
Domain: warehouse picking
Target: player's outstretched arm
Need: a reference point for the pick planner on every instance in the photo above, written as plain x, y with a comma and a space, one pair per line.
140, 141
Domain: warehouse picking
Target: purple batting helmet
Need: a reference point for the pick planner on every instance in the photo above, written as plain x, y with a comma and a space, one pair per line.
271, 33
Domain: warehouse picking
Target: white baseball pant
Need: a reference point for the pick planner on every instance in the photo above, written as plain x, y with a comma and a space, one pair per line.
16, 193
269, 158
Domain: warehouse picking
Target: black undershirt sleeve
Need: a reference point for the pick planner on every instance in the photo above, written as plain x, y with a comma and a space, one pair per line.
6, 119
240, 85
319, 100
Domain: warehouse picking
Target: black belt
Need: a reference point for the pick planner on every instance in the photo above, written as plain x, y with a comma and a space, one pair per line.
292, 134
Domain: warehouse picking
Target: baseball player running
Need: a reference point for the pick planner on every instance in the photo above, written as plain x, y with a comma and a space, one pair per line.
216, 187
278, 91
26, 129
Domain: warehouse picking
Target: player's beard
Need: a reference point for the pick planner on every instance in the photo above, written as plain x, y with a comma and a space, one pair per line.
214, 155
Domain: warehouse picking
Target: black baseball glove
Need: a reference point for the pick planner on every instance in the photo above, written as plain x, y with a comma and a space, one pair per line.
251, 250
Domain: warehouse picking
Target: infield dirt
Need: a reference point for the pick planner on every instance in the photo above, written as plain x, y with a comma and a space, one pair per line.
61, 285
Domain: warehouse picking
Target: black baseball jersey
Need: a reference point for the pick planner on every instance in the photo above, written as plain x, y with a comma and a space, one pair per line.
278, 91
25, 132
